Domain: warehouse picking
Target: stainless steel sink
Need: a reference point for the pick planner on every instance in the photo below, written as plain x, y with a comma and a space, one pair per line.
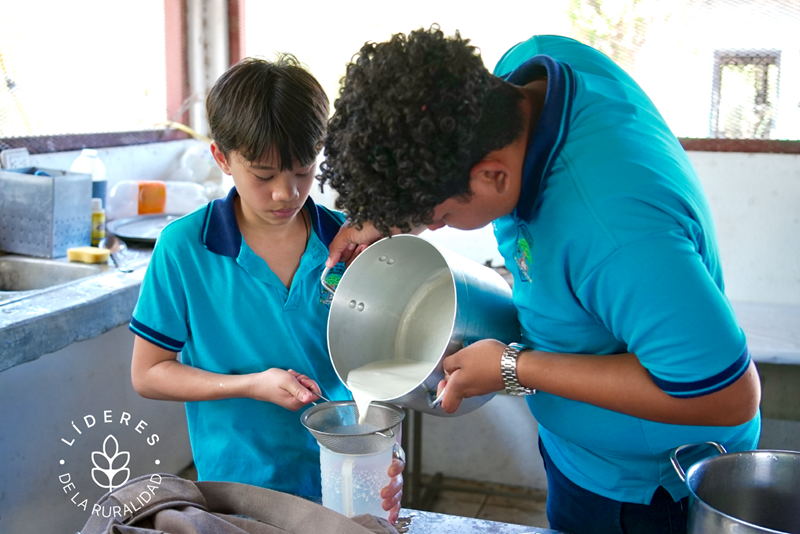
22, 276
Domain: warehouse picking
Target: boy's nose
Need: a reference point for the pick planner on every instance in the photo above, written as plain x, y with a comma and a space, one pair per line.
285, 191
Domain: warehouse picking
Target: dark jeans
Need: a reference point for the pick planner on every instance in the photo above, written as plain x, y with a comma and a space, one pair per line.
573, 509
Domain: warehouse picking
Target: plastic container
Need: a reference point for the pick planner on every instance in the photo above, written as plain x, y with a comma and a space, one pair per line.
88, 162
130, 198
352, 483
98, 222
197, 165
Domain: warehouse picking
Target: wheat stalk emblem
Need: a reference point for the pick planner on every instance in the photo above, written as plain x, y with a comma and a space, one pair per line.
104, 463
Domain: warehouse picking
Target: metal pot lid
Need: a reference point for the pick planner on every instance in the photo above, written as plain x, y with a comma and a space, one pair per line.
143, 229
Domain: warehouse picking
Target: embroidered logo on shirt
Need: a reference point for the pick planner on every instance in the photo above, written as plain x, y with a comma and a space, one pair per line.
333, 278
522, 254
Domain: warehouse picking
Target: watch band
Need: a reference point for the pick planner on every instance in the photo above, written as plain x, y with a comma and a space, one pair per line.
508, 367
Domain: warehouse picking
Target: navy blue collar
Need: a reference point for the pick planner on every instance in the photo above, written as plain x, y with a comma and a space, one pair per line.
552, 128
221, 234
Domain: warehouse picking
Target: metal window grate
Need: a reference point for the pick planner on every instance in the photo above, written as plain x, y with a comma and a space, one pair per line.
726, 69
745, 95
87, 73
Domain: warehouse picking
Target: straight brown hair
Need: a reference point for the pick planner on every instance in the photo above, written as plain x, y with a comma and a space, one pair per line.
263, 109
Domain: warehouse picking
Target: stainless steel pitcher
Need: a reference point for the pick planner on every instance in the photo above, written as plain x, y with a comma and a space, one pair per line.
404, 298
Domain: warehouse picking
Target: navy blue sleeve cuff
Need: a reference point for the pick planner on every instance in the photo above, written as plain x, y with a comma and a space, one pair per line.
154, 337
721, 380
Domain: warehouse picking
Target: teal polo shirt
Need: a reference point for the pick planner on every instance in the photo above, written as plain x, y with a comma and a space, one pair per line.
613, 249
207, 295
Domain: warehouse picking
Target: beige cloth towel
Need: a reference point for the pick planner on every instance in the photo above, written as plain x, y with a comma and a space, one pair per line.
166, 504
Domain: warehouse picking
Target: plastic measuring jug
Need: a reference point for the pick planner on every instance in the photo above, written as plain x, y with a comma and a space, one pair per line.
355, 458
352, 483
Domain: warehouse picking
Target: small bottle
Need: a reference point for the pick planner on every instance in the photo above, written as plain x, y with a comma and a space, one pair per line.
98, 221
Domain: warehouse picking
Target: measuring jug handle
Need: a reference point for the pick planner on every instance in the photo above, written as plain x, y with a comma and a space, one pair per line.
325, 283
398, 453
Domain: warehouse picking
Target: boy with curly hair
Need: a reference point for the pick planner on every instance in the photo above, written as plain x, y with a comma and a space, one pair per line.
235, 288
630, 347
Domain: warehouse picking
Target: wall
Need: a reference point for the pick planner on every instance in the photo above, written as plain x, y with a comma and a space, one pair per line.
496, 443
186, 160
44, 478
755, 201
154, 161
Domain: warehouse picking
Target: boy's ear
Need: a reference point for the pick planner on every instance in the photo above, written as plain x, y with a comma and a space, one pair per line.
491, 175
219, 157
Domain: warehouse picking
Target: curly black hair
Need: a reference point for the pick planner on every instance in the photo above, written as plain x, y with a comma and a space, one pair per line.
414, 115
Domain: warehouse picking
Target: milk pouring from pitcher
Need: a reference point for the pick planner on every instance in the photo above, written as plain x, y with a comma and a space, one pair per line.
384, 379
400, 308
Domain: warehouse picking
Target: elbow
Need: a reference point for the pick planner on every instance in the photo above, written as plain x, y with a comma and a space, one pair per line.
742, 399
741, 414
140, 385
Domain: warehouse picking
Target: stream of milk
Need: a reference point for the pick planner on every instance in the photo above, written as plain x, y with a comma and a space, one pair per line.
383, 380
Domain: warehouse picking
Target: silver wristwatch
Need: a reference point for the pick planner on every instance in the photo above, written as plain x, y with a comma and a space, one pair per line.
508, 366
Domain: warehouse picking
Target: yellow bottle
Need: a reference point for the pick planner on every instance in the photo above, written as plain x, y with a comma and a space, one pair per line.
98, 221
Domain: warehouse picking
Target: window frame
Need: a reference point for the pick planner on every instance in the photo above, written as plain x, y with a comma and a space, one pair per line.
723, 58
177, 89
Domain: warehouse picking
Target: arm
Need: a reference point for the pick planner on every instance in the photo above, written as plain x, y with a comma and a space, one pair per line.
157, 374
658, 297
615, 382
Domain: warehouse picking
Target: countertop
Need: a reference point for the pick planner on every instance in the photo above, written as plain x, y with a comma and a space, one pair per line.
51, 319
433, 523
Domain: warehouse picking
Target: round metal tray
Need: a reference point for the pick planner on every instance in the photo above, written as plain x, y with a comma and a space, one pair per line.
143, 229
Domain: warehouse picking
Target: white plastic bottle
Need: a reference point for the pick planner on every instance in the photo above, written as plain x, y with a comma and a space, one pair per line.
130, 198
88, 162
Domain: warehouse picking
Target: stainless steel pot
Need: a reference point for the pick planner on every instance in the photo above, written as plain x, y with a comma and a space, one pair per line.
404, 298
743, 492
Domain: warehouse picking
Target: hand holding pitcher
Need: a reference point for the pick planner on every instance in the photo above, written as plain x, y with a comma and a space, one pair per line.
471, 372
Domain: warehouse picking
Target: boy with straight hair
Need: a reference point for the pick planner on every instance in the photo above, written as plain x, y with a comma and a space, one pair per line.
630, 346
235, 288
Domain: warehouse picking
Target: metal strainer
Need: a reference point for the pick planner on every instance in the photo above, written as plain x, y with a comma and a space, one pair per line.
335, 426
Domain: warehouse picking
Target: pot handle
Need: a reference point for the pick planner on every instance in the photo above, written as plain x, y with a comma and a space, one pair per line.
674, 456
325, 283
433, 400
